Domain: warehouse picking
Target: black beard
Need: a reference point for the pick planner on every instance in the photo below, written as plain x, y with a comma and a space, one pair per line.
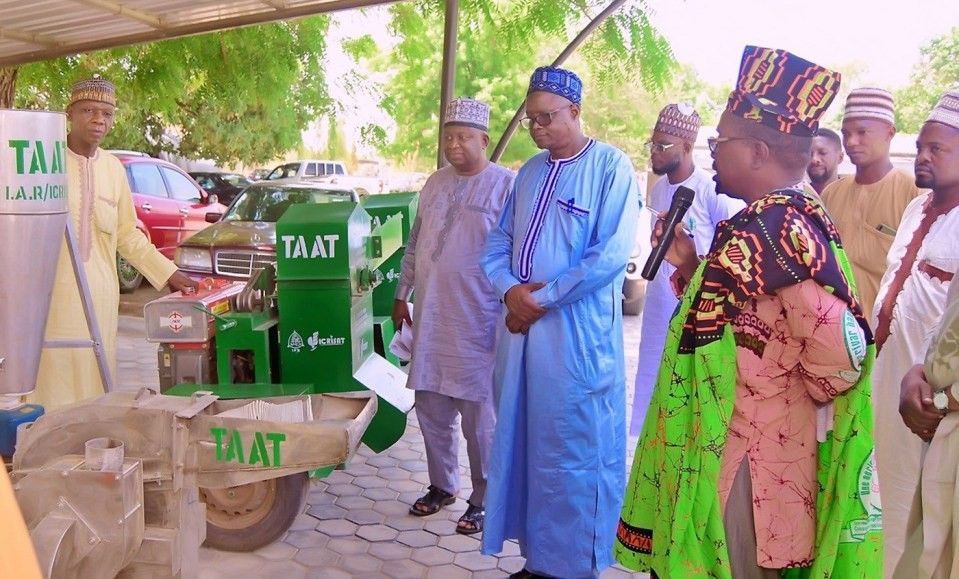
665, 169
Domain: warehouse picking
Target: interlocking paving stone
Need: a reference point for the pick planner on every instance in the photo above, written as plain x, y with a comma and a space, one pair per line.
238, 565
417, 539
306, 539
344, 490
406, 455
381, 494
448, 572
303, 522
365, 517
395, 473
475, 561
407, 485
421, 477
337, 528
354, 502
325, 512
369, 482
407, 523
286, 570
406, 569
441, 527
431, 556
393, 508
511, 564
361, 564
317, 557
361, 469
418, 465
390, 551
319, 497
457, 543
347, 546
381, 460
374, 533
277, 551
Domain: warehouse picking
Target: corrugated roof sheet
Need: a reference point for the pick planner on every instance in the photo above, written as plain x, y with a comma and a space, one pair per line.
39, 29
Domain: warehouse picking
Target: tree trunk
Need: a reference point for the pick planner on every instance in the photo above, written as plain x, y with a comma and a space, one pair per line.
8, 84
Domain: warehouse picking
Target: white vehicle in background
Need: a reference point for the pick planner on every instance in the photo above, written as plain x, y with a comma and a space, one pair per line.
634, 287
327, 171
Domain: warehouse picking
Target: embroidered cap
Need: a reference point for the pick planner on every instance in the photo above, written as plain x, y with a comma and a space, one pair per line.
679, 120
558, 81
946, 110
870, 103
782, 91
94, 89
467, 112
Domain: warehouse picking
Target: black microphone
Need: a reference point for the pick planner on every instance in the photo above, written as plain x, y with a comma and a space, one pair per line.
682, 199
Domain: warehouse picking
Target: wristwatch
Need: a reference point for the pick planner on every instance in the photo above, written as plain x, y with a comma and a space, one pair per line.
941, 401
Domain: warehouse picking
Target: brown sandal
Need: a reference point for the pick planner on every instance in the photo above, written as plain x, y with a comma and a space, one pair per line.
432, 502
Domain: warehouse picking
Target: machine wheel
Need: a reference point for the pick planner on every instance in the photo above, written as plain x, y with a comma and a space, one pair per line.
247, 517
130, 278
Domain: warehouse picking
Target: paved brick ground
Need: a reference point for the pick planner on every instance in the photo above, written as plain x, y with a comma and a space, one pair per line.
357, 524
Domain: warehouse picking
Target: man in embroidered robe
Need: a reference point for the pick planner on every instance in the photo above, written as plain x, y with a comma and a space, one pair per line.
867, 209
558, 258
457, 311
922, 262
825, 157
725, 483
101, 207
671, 156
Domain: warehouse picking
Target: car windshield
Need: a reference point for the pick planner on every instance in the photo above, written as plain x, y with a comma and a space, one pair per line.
264, 203
235, 180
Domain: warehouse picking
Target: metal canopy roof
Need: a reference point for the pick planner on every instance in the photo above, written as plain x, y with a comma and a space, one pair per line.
33, 30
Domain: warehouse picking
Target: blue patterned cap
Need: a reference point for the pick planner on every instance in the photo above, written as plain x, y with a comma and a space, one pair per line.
558, 81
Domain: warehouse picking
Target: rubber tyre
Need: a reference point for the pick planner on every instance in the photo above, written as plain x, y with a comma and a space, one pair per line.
634, 292
288, 501
130, 278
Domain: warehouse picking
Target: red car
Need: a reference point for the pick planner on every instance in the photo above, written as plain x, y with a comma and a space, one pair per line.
170, 207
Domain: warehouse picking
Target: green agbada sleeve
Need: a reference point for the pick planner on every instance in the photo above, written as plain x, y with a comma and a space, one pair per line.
672, 516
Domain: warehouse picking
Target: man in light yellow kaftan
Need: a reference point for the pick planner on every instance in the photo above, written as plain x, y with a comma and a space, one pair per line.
104, 220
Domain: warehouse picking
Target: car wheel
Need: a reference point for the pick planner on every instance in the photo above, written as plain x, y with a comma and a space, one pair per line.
130, 278
634, 296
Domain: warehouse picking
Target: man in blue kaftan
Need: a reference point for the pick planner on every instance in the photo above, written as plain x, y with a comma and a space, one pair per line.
558, 258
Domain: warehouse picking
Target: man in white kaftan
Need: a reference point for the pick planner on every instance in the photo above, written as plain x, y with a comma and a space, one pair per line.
558, 258
101, 207
923, 260
457, 310
671, 155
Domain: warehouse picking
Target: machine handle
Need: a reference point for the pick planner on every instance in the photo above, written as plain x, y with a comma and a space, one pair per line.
147, 207
226, 323
184, 211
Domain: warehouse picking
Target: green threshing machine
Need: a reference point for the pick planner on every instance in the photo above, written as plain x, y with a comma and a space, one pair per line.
319, 323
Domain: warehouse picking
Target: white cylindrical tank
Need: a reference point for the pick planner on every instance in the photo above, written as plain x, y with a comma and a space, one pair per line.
33, 214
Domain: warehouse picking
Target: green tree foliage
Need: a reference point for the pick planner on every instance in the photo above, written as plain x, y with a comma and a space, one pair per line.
499, 44
937, 71
244, 95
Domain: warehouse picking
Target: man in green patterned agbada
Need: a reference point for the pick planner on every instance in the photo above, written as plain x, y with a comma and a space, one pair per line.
756, 457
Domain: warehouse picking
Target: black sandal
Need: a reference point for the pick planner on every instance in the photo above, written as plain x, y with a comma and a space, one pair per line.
474, 517
432, 502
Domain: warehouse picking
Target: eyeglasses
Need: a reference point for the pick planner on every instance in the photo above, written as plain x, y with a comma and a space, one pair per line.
658, 147
714, 142
541, 119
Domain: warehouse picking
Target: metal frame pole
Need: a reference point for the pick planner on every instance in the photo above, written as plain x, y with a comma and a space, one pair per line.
448, 78
582, 36
95, 341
